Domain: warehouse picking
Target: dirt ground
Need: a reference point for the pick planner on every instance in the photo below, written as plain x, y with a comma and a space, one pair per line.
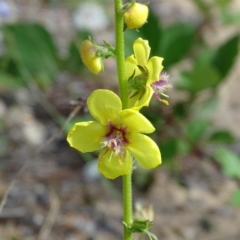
59, 196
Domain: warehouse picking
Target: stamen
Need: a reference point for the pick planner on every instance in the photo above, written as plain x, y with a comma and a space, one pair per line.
120, 161
115, 141
165, 95
164, 101
160, 86
110, 157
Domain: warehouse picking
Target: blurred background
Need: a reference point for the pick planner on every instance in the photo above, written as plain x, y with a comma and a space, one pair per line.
50, 191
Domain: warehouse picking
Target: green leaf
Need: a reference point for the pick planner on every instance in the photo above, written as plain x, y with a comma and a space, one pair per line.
206, 108
74, 62
235, 201
32, 48
183, 147
10, 81
223, 3
221, 136
169, 149
205, 57
229, 161
199, 78
146, 32
196, 129
175, 43
140, 225
181, 109
225, 56
229, 17
204, 7
130, 36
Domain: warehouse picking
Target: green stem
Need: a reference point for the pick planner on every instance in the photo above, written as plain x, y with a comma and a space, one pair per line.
120, 55
127, 204
123, 91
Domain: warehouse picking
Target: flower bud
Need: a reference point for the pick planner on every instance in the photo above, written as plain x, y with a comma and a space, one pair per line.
89, 57
136, 15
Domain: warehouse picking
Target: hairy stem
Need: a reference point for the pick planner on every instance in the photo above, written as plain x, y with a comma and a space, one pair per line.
120, 57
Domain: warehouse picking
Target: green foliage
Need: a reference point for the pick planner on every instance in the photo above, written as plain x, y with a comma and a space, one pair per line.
9, 81
130, 37
221, 136
196, 129
198, 79
146, 32
169, 149
175, 42
32, 51
235, 201
203, 7
225, 56
141, 226
229, 161
74, 62
229, 17
205, 109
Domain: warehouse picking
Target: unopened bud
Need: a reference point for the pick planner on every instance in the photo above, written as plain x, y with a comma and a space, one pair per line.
136, 15
89, 57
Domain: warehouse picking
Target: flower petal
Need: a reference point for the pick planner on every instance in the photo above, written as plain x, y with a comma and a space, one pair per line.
141, 99
130, 66
135, 121
154, 66
104, 105
112, 166
141, 51
86, 136
144, 150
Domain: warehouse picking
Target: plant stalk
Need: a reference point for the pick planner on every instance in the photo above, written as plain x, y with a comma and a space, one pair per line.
123, 92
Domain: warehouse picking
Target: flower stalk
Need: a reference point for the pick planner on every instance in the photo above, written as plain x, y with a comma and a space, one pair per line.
120, 53
120, 57
118, 129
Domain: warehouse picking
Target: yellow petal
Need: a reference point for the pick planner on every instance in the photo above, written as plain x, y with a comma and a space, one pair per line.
86, 136
87, 51
141, 99
141, 51
112, 166
144, 150
104, 105
135, 121
95, 65
130, 66
154, 66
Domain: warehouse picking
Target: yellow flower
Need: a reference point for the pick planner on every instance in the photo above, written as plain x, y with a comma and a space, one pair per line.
117, 133
136, 15
89, 56
146, 71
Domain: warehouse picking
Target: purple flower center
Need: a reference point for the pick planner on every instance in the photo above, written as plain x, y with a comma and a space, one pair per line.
160, 86
115, 140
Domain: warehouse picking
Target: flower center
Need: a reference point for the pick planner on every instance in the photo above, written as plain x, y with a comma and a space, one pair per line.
115, 140
160, 86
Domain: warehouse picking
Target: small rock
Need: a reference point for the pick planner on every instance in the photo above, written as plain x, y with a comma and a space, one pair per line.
90, 16
90, 171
